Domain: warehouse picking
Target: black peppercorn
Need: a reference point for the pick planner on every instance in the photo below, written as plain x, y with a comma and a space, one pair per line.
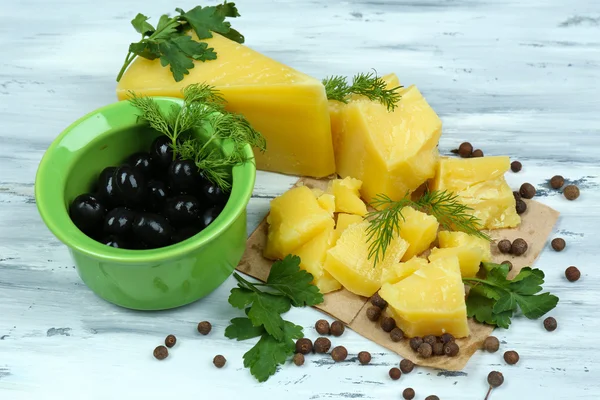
571, 192
204, 327
511, 357
558, 244
161, 352
425, 350
447, 338
337, 328
376, 300
304, 346
387, 324
550, 324
572, 274
322, 345
322, 327
516, 166
520, 206
373, 313
527, 191
477, 153
170, 341
364, 357
465, 149
395, 373
408, 394
339, 353
219, 361
415, 343
491, 344
406, 366
451, 349
519, 247
396, 335
557, 182
510, 266
431, 339
299, 359
504, 246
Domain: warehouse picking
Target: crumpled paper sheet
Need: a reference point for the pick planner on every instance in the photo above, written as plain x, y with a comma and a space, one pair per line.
536, 226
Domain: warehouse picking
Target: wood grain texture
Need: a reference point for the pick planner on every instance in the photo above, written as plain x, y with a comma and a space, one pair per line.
519, 78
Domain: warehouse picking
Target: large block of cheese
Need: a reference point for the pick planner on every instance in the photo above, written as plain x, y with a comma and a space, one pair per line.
458, 239
288, 107
418, 229
480, 184
431, 301
349, 264
295, 218
390, 152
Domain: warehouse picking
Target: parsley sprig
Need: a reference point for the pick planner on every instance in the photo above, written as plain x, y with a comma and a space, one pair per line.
384, 222
368, 85
494, 299
286, 286
170, 41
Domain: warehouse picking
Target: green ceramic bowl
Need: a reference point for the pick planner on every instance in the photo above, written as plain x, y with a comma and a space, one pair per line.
154, 279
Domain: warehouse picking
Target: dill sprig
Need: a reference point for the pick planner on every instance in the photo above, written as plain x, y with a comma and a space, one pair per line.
364, 84
384, 222
203, 107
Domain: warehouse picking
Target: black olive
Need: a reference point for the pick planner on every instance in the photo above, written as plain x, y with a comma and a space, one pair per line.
87, 213
130, 185
183, 176
152, 229
209, 215
156, 194
106, 187
141, 161
185, 233
119, 221
214, 194
161, 152
182, 210
114, 241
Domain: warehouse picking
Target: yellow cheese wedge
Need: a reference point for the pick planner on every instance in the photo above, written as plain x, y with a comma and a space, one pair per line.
288, 107
419, 230
396, 272
347, 196
327, 202
312, 256
348, 260
343, 222
295, 218
391, 152
457, 239
469, 258
431, 301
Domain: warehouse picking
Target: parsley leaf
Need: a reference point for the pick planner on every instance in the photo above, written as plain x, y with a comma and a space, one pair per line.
287, 277
266, 310
494, 299
203, 20
141, 24
242, 329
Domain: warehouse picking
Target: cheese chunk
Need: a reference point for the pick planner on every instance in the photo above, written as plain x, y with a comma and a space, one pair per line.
288, 107
396, 272
431, 301
295, 218
469, 258
390, 152
343, 222
418, 229
457, 239
347, 196
349, 264
327, 202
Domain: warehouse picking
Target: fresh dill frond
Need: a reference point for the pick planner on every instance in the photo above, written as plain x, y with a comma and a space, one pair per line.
368, 85
205, 94
151, 113
384, 222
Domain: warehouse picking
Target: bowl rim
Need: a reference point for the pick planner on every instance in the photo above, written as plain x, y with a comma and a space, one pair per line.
61, 225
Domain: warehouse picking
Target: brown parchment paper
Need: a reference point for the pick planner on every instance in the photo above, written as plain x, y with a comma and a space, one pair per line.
536, 226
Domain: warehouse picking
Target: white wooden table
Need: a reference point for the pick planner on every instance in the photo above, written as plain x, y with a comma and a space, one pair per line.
519, 78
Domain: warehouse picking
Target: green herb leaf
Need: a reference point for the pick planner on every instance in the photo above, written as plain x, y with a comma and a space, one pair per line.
266, 310
242, 329
147, 50
534, 307
203, 20
141, 24
368, 85
241, 298
528, 281
287, 277
480, 308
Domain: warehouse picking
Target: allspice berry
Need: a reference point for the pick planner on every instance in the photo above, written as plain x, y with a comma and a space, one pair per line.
408, 394
322, 345
204, 327
516, 166
558, 244
425, 350
504, 246
506, 262
527, 191
520, 206
170, 341
519, 247
432, 397
339, 353
304, 346
465, 149
511, 357
572, 274
376, 300
395, 373
550, 324
495, 379
438, 349
451, 349
491, 344
477, 153
447, 338
298, 359
571, 192
517, 195
431, 339
322, 327
364, 357
219, 361
557, 182
337, 328
415, 342
406, 366
387, 324
373, 313
396, 335
161, 352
